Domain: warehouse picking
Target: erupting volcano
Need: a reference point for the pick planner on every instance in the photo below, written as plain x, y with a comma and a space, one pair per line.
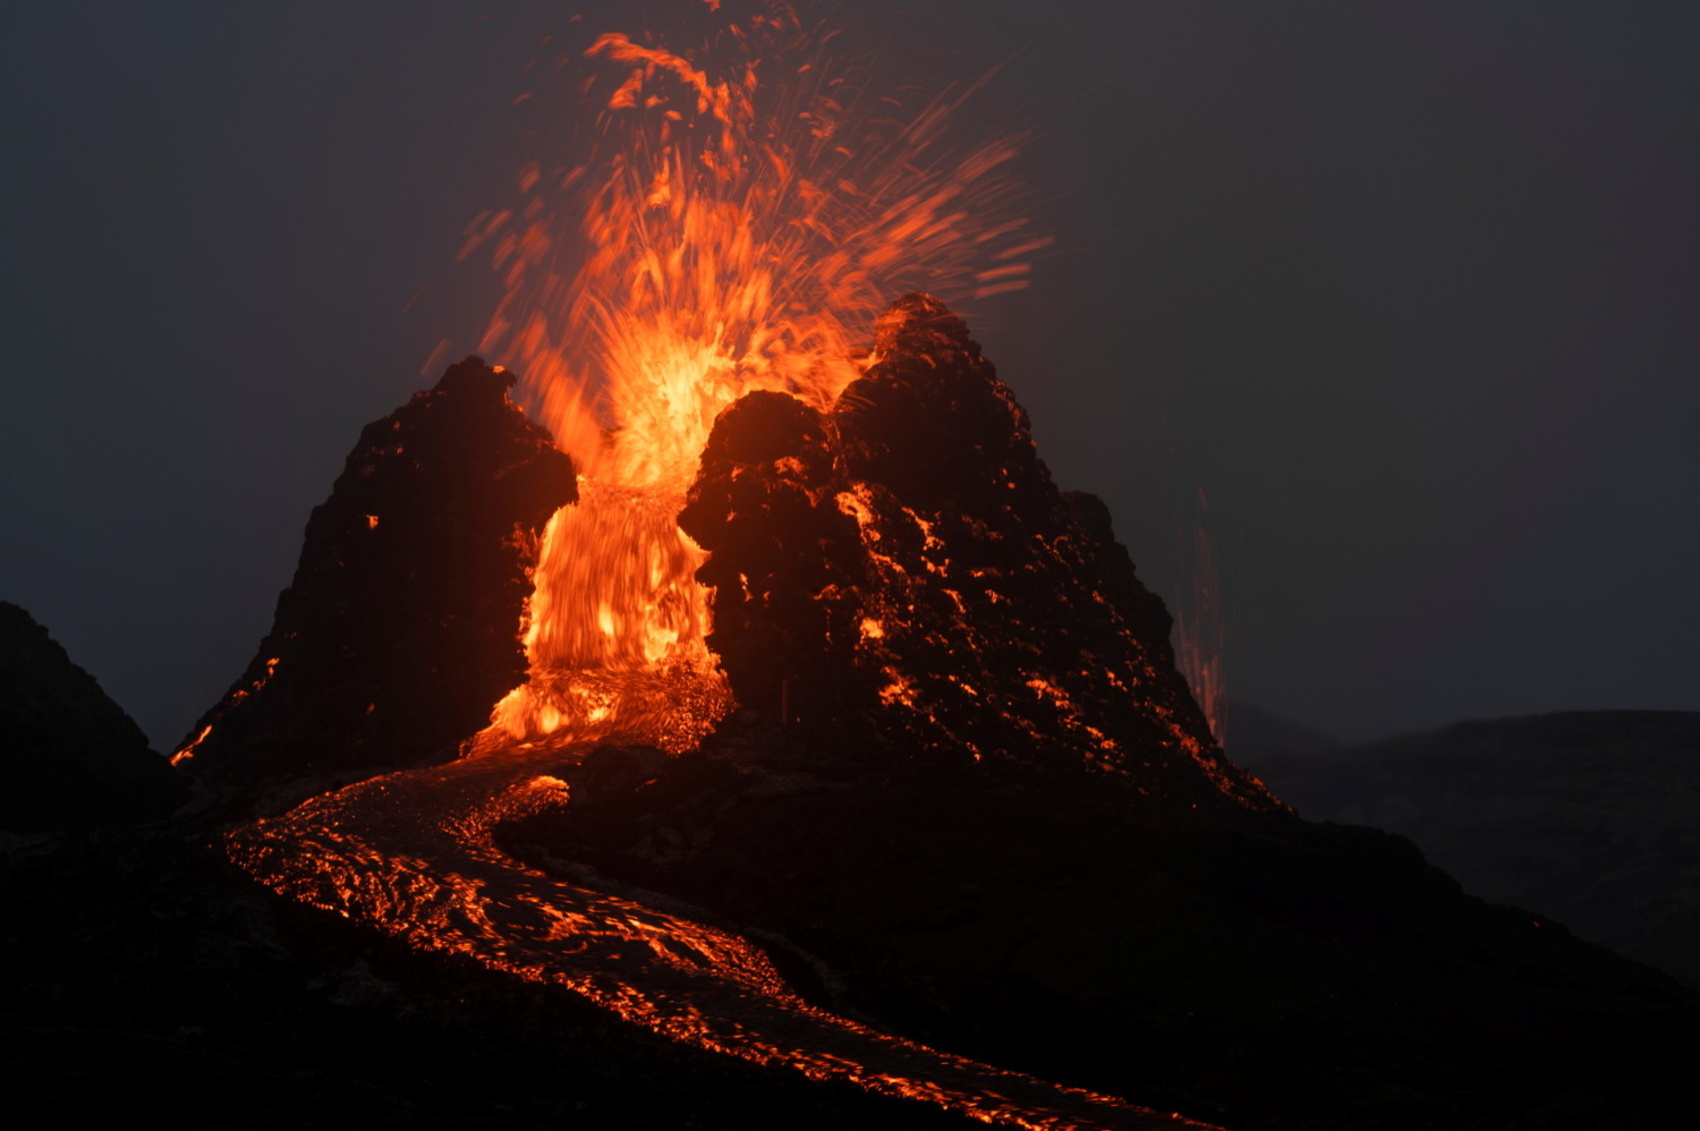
615, 667
808, 527
782, 502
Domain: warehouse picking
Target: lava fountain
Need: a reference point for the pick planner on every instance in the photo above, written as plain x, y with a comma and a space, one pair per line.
740, 213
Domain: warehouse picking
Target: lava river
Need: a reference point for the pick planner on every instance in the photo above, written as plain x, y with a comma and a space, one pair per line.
412, 853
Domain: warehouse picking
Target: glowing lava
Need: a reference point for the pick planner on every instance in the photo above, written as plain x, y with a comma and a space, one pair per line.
412, 853
746, 208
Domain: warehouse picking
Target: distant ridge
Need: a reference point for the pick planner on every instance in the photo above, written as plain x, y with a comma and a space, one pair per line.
1585, 816
74, 759
1255, 735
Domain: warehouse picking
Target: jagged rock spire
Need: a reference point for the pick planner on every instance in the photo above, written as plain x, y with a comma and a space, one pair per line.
399, 630
903, 566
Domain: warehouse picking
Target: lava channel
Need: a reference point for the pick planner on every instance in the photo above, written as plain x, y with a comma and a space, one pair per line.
412, 854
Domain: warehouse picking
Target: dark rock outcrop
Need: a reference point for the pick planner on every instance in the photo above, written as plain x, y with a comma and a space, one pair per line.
400, 629
74, 759
614, 772
902, 569
786, 567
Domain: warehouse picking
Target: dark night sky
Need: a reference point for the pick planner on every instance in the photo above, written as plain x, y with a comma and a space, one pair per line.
1412, 290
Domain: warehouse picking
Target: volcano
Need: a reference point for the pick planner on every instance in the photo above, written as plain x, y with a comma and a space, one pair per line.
955, 830
896, 579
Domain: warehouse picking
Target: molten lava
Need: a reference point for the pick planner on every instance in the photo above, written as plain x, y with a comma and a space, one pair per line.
746, 208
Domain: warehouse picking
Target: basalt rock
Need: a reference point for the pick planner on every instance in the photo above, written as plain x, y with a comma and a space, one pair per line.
787, 570
74, 759
903, 567
399, 629
613, 771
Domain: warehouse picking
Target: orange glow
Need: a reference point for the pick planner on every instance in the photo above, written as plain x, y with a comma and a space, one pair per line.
188, 751
746, 210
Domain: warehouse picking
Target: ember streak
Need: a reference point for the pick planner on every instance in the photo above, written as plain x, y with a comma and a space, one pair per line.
1199, 629
734, 240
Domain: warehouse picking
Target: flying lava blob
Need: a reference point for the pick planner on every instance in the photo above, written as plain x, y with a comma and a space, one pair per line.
742, 210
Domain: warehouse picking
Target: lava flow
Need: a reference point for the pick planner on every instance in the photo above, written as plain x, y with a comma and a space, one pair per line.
412, 854
728, 233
